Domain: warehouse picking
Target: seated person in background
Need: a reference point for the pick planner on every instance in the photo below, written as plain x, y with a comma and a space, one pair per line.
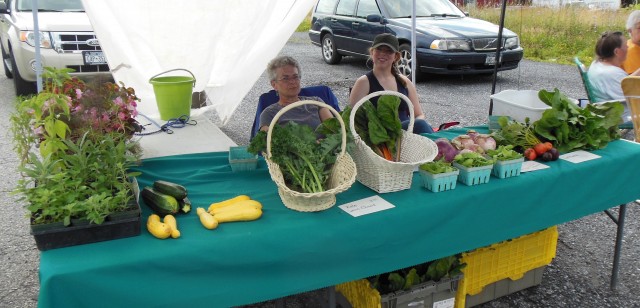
632, 63
385, 55
284, 75
606, 73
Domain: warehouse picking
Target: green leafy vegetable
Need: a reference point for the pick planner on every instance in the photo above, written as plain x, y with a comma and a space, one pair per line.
406, 278
504, 152
472, 159
305, 162
379, 127
438, 166
571, 127
520, 135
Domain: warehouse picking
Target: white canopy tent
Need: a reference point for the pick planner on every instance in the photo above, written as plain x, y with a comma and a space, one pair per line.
226, 44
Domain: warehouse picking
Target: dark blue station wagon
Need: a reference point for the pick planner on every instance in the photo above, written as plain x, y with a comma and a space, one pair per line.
448, 41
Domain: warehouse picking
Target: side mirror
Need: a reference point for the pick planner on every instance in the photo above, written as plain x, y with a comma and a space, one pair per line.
376, 18
466, 13
3, 8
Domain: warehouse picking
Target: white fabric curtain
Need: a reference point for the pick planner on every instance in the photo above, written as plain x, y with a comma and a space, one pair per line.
226, 44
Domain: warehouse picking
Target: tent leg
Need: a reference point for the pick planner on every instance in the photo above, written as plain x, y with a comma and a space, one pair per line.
618, 246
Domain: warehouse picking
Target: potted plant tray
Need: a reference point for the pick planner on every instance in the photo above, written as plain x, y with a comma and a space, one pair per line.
81, 231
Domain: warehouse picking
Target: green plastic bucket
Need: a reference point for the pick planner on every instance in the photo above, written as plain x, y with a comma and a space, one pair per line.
173, 94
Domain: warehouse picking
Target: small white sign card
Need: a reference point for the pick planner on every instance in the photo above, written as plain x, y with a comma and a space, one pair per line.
366, 206
447, 303
531, 165
578, 156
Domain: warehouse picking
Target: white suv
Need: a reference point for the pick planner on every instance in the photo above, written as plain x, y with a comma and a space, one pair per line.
66, 41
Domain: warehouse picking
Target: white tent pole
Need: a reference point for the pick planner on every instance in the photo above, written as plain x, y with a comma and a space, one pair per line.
36, 32
498, 50
413, 43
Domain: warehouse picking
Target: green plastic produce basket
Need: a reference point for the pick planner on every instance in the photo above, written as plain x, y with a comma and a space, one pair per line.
439, 182
475, 175
241, 160
508, 168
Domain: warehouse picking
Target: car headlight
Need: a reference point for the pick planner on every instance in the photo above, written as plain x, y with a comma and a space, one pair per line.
511, 43
29, 37
450, 45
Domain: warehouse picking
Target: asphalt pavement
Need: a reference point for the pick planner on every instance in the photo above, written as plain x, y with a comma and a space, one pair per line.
578, 277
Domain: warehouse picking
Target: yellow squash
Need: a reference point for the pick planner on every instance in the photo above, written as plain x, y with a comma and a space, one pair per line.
228, 202
157, 228
207, 220
240, 214
171, 221
236, 206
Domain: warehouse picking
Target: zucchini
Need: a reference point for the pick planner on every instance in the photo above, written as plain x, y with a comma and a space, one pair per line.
160, 203
184, 205
172, 189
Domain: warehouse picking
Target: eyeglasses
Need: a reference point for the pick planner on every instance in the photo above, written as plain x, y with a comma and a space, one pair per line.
289, 78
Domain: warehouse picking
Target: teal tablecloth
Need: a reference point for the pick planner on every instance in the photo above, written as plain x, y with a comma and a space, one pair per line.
287, 252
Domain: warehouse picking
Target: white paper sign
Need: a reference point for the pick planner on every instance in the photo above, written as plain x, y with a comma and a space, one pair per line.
531, 165
366, 206
578, 156
447, 303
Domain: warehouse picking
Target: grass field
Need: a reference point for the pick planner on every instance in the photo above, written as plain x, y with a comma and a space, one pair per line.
551, 34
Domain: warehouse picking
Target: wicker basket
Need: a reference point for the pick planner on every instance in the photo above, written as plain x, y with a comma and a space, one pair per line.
380, 174
342, 175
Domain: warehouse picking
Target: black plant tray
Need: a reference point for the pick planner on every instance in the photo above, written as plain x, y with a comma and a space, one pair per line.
56, 235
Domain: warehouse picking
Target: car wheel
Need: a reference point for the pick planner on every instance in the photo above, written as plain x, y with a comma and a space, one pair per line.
405, 62
329, 50
6, 64
22, 86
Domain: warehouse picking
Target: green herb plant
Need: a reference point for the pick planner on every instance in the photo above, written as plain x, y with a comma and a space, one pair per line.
521, 135
571, 128
472, 159
304, 160
72, 171
503, 153
438, 166
404, 279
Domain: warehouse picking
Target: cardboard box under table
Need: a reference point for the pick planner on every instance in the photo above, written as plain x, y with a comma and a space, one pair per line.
287, 252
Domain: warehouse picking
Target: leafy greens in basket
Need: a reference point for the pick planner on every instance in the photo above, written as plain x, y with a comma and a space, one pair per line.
379, 127
570, 127
304, 160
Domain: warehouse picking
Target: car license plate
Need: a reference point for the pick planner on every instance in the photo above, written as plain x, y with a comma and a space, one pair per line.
491, 59
94, 57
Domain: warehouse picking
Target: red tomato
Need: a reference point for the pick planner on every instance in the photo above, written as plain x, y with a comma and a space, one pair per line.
549, 145
540, 148
530, 154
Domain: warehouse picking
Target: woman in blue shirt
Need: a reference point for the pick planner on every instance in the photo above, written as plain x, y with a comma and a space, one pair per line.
385, 55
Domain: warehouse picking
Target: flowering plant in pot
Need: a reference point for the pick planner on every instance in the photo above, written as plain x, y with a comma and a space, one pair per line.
74, 144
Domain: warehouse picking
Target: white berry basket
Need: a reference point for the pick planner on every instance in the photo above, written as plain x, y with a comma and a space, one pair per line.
343, 173
383, 175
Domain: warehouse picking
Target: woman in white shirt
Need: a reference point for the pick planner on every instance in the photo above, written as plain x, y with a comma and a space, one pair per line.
606, 73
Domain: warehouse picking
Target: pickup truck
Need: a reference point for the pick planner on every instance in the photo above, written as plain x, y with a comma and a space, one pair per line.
67, 40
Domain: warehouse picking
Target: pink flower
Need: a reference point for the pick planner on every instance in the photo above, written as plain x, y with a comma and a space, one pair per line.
118, 101
122, 116
78, 94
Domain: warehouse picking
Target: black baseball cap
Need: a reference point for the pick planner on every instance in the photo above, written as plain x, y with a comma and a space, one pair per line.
386, 39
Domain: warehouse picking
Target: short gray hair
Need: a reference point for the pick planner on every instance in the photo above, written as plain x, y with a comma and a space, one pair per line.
279, 62
633, 19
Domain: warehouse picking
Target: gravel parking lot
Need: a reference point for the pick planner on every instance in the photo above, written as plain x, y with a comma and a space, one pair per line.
578, 277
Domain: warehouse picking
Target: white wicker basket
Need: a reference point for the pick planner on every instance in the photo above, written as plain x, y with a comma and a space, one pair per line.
380, 174
343, 174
